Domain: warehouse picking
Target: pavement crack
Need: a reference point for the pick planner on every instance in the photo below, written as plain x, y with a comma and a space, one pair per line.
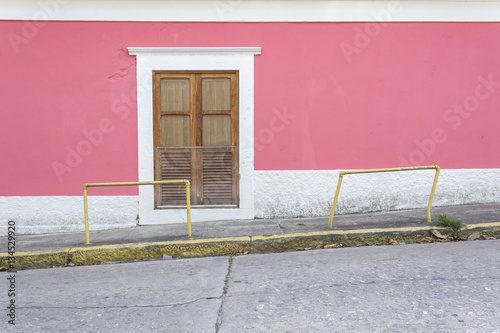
121, 306
281, 228
218, 323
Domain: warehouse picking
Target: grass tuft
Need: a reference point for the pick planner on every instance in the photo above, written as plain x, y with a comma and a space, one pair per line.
450, 223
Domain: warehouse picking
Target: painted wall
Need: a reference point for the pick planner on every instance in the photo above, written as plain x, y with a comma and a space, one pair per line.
327, 96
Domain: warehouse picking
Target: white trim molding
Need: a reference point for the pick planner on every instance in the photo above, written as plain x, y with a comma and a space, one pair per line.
251, 11
164, 58
195, 50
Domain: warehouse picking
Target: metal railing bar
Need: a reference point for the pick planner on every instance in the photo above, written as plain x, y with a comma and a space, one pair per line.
342, 173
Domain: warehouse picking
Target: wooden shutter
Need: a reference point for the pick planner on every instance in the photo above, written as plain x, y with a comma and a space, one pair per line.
174, 164
218, 176
211, 170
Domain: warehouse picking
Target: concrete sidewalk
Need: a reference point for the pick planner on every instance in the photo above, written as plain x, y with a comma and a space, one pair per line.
243, 236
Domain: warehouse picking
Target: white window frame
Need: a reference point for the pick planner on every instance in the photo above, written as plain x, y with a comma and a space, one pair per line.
190, 59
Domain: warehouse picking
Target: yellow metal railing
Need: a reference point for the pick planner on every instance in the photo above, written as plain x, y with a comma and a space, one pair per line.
342, 173
159, 182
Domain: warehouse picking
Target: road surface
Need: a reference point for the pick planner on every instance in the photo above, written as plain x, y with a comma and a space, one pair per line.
447, 287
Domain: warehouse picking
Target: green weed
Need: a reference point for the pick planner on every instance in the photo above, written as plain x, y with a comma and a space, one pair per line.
450, 223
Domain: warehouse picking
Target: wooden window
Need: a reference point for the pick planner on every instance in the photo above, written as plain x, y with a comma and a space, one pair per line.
196, 137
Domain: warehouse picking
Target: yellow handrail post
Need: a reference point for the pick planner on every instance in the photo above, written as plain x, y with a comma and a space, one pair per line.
159, 182
342, 173
188, 204
330, 220
431, 197
86, 214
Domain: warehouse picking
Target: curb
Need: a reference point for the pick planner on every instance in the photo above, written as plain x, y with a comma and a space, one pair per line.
232, 246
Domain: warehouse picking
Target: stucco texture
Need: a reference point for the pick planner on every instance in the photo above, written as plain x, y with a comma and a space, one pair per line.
328, 96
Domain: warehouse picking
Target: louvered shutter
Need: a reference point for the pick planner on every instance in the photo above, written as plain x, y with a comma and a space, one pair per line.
212, 172
218, 176
175, 164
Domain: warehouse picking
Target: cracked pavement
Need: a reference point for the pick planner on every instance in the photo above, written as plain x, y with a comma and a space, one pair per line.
446, 287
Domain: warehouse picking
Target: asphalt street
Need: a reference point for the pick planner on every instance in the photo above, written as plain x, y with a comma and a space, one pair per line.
440, 287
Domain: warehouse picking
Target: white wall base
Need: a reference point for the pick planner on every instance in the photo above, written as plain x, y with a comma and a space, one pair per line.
278, 194
39, 215
166, 216
285, 194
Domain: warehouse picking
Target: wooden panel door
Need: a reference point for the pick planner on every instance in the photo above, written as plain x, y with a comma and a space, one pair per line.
196, 137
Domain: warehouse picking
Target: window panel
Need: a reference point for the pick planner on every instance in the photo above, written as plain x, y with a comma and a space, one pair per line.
175, 95
216, 130
216, 94
175, 131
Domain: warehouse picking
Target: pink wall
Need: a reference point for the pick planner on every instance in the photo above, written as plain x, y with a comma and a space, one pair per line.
327, 96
